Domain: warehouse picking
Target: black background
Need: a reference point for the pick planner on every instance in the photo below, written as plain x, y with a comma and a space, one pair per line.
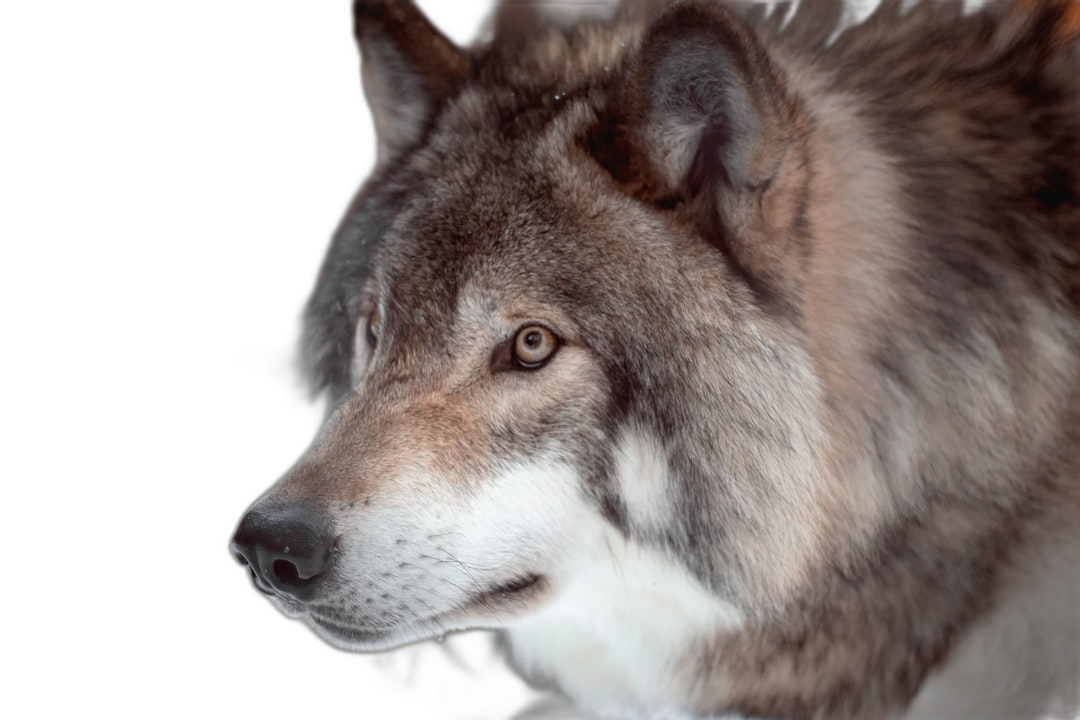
286, 139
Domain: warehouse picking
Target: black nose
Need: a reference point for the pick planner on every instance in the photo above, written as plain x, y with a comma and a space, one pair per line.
288, 549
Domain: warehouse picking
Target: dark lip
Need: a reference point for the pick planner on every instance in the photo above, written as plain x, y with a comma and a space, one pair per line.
519, 589
334, 626
516, 586
498, 597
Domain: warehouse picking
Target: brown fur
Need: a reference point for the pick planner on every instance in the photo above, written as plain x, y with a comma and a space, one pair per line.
866, 256
968, 368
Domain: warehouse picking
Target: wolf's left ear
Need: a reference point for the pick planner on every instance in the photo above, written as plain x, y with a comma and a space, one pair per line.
707, 105
409, 69
704, 120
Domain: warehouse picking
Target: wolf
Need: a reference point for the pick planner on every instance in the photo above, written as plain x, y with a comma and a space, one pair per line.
725, 362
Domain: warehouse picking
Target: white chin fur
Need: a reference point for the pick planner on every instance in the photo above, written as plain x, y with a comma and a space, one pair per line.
441, 550
622, 615
619, 616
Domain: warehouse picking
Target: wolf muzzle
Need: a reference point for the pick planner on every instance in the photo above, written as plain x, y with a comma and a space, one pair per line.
287, 548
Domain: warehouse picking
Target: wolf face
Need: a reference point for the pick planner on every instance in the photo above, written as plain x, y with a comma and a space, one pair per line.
608, 336
453, 423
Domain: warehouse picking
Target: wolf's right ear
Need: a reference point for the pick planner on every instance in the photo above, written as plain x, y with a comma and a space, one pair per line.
409, 69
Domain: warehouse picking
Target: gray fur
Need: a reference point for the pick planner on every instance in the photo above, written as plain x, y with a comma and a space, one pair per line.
839, 282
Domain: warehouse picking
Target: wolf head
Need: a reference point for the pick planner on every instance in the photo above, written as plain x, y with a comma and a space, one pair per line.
537, 329
626, 335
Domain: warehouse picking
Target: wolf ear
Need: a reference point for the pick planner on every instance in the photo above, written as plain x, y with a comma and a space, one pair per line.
711, 127
710, 109
408, 67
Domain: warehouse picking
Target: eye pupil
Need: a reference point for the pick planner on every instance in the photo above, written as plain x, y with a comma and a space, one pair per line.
533, 346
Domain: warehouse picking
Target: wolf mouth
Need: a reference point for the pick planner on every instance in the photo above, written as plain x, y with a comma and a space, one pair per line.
519, 589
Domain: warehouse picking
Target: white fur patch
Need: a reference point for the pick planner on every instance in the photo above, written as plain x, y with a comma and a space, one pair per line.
622, 615
642, 476
620, 621
425, 549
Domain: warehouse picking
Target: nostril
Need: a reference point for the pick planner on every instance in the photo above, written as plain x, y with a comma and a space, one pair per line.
287, 573
287, 549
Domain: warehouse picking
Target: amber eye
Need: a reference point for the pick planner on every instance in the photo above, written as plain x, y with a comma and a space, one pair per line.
533, 346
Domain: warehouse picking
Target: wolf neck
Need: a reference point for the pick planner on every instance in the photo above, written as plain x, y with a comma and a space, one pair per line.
924, 481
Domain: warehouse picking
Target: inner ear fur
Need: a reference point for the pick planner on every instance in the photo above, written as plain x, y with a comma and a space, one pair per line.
409, 70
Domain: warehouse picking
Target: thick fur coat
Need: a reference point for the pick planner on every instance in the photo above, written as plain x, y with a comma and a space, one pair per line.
803, 437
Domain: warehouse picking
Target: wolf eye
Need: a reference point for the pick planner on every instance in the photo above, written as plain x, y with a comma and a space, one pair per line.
533, 346
374, 327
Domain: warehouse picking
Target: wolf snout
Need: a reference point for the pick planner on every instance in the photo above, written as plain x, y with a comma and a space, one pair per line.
287, 548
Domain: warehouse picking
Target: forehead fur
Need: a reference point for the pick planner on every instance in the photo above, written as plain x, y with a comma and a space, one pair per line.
501, 175
487, 158
545, 66
521, 84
